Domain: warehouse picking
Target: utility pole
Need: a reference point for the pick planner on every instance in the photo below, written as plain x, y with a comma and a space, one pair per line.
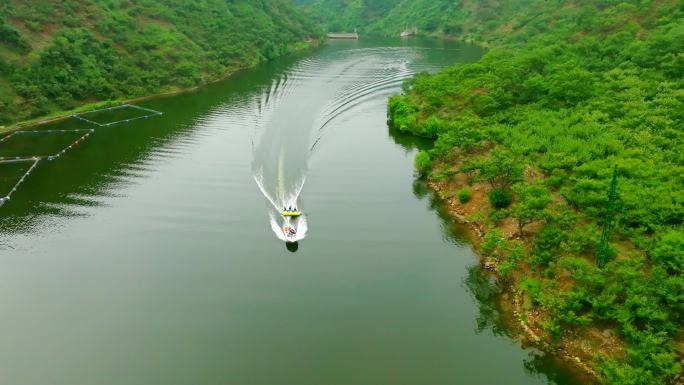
604, 246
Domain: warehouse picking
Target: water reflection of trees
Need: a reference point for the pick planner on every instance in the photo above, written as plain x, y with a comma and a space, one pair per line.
538, 363
452, 231
98, 171
481, 284
486, 291
484, 287
407, 141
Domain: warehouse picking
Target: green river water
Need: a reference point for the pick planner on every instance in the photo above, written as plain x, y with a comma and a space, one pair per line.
145, 254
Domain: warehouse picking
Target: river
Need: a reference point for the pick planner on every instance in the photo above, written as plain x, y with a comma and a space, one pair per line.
145, 254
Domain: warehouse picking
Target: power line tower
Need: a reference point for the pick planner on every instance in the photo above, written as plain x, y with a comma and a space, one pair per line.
604, 247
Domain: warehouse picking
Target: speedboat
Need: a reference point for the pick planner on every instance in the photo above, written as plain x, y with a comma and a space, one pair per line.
290, 228
291, 213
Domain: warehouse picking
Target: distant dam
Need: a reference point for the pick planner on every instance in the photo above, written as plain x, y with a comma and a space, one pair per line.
343, 35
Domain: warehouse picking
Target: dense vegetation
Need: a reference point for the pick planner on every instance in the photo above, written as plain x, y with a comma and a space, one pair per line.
475, 20
348, 15
55, 55
571, 90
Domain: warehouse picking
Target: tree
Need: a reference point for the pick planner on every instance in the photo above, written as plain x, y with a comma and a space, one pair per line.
464, 195
423, 162
499, 198
531, 202
668, 258
501, 170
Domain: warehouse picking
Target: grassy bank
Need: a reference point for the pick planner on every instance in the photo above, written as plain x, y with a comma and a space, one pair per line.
526, 141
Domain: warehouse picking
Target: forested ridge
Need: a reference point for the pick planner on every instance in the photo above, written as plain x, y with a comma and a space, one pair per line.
56, 55
474, 20
526, 143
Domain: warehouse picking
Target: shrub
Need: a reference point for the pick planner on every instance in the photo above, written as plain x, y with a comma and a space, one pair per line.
495, 217
502, 170
533, 287
553, 328
557, 179
505, 268
423, 162
464, 195
494, 243
530, 204
499, 198
402, 115
431, 127
546, 245
444, 172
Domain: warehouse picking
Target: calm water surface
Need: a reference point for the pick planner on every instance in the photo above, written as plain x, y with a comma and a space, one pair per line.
145, 255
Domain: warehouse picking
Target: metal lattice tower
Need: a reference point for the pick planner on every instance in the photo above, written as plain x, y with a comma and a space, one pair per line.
604, 247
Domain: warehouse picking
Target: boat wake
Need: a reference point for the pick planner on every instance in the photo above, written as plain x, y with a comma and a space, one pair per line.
296, 109
279, 203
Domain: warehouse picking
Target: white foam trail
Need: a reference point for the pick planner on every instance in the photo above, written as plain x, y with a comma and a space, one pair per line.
259, 179
302, 229
298, 107
300, 224
278, 204
283, 201
277, 229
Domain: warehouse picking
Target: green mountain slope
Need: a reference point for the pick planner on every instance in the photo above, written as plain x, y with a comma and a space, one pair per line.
463, 18
473, 19
348, 15
533, 132
55, 55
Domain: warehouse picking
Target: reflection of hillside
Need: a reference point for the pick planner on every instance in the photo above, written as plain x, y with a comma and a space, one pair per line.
409, 142
486, 292
120, 155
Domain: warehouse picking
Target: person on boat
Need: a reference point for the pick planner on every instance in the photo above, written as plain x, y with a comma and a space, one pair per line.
289, 231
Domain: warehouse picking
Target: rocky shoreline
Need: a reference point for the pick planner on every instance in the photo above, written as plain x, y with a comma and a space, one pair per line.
531, 334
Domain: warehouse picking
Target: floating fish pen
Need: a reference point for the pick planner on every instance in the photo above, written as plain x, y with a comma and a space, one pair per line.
23, 172
65, 140
125, 113
52, 144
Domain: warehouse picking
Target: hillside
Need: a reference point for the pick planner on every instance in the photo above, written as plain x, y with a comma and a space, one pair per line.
347, 15
468, 19
56, 55
526, 143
